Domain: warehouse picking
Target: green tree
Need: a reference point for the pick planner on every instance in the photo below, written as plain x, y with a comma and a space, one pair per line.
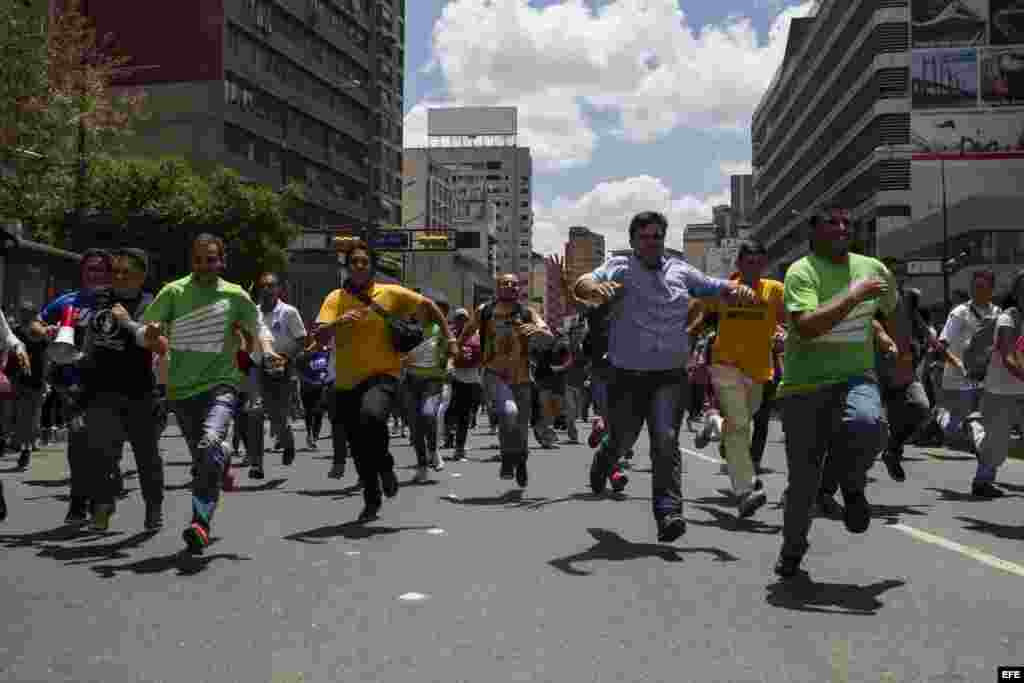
253, 218
58, 106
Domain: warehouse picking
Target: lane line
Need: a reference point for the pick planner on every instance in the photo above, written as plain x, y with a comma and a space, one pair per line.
708, 458
973, 553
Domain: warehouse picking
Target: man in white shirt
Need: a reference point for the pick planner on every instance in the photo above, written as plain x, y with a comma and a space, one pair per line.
961, 396
286, 334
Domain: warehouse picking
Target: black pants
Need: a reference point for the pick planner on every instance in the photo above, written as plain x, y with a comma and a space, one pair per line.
339, 443
313, 407
361, 413
465, 399
112, 419
761, 420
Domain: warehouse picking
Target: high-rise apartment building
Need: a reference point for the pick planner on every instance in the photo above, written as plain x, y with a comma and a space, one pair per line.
280, 90
428, 198
839, 97
910, 115
584, 251
697, 240
480, 147
741, 199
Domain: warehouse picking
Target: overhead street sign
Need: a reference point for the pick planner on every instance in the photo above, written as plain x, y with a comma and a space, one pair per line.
417, 239
925, 267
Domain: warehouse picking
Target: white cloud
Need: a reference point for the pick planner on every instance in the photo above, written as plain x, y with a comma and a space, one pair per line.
729, 168
608, 208
638, 60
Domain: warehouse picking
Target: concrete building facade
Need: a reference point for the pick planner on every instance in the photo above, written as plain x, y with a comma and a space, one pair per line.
584, 251
480, 147
280, 90
912, 120
841, 93
697, 239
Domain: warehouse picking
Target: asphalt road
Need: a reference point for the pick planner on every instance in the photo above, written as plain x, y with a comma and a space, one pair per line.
467, 579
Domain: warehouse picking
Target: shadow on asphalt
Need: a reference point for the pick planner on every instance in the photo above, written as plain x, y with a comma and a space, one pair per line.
82, 554
804, 595
510, 499
47, 483
182, 562
587, 496
346, 492
177, 463
891, 513
268, 485
353, 531
951, 458
65, 532
1012, 532
948, 495
727, 521
1016, 488
12, 470
611, 547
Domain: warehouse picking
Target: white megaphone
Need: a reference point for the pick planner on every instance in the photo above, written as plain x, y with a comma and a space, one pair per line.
63, 350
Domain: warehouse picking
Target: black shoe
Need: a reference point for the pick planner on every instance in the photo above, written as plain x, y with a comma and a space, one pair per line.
3, 505
857, 515
24, 458
758, 485
671, 527
78, 512
256, 472
507, 470
337, 472
522, 476
893, 466
827, 506
750, 502
986, 489
154, 516
389, 483
597, 474
788, 567
289, 457
370, 512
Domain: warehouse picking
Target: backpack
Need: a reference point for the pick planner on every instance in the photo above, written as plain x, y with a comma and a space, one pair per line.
978, 350
487, 313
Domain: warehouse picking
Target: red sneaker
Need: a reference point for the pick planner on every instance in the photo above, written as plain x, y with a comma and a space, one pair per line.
230, 481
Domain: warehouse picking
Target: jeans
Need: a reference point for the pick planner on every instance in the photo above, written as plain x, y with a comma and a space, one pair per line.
762, 418
465, 399
204, 420
957, 404
28, 412
249, 426
599, 378
339, 442
361, 414
112, 419
1000, 412
654, 397
422, 400
512, 405
739, 398
572, 411
278, 397
313, 407
907, 409
838, 427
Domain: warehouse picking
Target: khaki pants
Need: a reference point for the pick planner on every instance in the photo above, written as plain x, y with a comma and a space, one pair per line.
739, 398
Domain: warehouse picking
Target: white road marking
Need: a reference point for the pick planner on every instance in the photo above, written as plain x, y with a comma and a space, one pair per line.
716, 461
413, 597
352, 553
436, 531
456, 475
973, 553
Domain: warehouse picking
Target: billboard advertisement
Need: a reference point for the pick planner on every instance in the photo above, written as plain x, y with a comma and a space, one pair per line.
984, 134
949, 23
1002, 76
944, 78
1006, 22
468, 121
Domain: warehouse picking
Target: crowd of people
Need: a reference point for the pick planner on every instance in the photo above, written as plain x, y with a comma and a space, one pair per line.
840, 350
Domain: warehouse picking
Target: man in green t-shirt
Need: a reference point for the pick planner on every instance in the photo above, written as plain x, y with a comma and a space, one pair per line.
831, 406
197, 314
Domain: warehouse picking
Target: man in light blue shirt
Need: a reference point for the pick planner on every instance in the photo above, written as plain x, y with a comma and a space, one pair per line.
648, 348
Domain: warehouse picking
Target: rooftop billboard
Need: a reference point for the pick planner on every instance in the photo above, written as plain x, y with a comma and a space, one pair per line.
468, 121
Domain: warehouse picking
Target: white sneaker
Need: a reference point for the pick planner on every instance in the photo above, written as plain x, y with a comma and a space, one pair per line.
437, 461
716, 428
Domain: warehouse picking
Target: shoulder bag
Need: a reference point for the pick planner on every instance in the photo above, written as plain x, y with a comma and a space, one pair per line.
406, 335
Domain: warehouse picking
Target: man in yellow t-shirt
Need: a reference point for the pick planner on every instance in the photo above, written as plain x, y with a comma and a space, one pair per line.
742, 365
368, 367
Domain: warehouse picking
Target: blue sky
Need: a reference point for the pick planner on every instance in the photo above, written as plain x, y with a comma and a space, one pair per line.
627, 104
